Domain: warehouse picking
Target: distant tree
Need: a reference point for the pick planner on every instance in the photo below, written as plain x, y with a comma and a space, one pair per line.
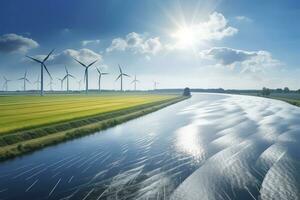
187, 92
298, 91
266, 91
221, 90
286, 90
279, 90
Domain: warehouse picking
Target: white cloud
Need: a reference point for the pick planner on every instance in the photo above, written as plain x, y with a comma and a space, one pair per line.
214, 28
152, 46
89, 42
243, 18
136, 43
118, 44
16, 43
84, 55
249, 61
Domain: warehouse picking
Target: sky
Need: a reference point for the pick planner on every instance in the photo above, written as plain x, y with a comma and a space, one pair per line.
226, 44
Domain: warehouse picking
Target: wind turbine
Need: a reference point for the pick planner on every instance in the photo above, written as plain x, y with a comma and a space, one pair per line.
155, 85
79, 84
121, 76
37, 82
25, 79
67, 77
51, 84
86, 73
42, 69
135, 81
5, 85
61, 83
100, 75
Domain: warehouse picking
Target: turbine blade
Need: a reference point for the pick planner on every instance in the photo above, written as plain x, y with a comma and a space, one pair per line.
98, 70
34, 59
65, 77
118, 77
85, 74
80, 62
47, 71
66, 69
46, 58
126, 75
92, 63
120, 69
27, 80
104, 73
71, 76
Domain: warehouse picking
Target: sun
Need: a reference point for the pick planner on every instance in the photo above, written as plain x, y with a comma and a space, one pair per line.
185, 36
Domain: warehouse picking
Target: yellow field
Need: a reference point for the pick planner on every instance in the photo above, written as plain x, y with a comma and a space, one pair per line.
21, 112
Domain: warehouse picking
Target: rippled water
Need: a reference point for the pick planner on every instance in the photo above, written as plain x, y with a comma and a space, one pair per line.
208, 147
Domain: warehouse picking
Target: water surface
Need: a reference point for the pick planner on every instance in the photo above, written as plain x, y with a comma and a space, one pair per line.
212, 146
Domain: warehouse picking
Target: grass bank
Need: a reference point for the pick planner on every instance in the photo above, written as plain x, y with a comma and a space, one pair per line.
15, 144
291, 98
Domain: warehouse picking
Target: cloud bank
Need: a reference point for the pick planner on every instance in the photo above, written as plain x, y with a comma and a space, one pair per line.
90, 42
16, 43
249, 61
136, 43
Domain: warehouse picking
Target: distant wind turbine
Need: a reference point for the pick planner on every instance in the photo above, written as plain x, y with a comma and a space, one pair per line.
51, 84
155, 85
37, 82
100, 74
5, 85
135, 81
79, 84
86, 73
61, 80
67, 77
121, 77
42, 69
25, 80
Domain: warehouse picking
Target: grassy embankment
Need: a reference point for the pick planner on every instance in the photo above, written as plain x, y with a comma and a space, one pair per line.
291, 98
28, 123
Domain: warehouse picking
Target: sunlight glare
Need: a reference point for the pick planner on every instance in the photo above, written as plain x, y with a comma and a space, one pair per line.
185, 36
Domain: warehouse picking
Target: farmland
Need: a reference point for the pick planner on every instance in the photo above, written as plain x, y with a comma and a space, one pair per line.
24, 112
31, 122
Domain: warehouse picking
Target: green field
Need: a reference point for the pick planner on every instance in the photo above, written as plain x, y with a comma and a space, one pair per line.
25, 112
28, 123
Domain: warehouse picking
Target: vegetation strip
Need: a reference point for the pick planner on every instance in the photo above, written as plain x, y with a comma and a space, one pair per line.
65, 131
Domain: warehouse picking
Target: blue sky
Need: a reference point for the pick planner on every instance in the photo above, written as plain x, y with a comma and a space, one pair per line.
196, 43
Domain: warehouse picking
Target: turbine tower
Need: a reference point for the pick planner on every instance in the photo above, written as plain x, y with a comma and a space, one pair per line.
43, 66
61, 80
155, 85
37, 82
5, 85
67, 77
135, 81
51, 84
99, 77
79, 84
121, 77
25, 79
86, 73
